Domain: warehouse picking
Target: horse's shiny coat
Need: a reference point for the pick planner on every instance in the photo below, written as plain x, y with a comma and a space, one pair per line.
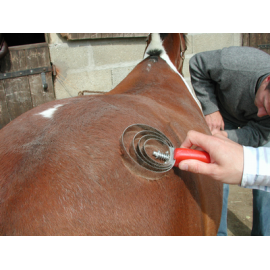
62, 171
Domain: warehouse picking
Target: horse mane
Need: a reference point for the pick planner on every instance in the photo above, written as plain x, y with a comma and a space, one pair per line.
163, 36
156, 51
186, 39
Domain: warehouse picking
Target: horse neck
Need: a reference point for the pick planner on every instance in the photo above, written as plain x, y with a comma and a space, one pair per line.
171, 47
153, 78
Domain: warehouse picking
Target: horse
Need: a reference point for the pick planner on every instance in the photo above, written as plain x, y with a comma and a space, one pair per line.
63, 172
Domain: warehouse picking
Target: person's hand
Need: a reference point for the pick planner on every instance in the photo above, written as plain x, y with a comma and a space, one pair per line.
227, 160
215, 121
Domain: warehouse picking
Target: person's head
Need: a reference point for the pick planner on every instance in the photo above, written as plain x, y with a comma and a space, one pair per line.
262, 98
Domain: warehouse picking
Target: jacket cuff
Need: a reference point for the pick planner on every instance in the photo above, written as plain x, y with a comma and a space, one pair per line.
211, 109
232, 135
250, 166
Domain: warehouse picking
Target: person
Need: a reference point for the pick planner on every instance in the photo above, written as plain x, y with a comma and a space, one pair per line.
233, 86
231, 163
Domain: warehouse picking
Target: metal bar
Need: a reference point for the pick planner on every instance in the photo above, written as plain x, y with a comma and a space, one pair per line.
43, 79
8, 75
28, 46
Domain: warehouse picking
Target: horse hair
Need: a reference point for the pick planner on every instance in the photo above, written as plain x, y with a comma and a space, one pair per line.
163, 36
155, 52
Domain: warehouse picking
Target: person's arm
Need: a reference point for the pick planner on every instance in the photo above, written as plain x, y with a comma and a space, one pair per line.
231, 163
205, 71
253, 134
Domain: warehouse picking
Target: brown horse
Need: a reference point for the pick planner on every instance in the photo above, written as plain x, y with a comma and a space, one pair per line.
62, 171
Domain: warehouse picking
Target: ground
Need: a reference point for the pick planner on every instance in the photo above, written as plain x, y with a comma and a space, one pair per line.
239, 211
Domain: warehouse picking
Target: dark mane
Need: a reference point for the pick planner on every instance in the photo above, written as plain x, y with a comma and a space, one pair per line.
163, 36
155, 52
186, 39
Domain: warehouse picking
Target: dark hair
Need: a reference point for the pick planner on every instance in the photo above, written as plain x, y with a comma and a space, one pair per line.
163, 36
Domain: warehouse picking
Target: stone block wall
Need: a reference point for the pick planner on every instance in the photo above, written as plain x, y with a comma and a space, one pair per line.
208, 42
94, 65
100, 64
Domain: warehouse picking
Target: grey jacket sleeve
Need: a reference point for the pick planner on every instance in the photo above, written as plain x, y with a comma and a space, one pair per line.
205, 71
253, 134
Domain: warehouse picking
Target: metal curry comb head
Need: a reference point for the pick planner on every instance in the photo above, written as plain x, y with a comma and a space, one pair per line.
151, 149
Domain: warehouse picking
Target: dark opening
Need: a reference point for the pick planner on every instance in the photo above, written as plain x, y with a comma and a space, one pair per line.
23, 39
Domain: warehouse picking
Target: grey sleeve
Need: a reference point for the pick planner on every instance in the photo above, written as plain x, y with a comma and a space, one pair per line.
205, 71
254, 134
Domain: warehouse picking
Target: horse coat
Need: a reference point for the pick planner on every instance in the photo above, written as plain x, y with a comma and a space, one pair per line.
62, 171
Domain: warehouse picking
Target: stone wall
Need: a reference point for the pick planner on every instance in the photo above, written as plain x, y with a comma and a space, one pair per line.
95, 65
207, 42
100, 64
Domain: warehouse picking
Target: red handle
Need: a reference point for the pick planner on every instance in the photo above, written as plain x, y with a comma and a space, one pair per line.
184, 153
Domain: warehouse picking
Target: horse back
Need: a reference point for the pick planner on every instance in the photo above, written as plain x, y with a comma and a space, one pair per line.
62, 171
